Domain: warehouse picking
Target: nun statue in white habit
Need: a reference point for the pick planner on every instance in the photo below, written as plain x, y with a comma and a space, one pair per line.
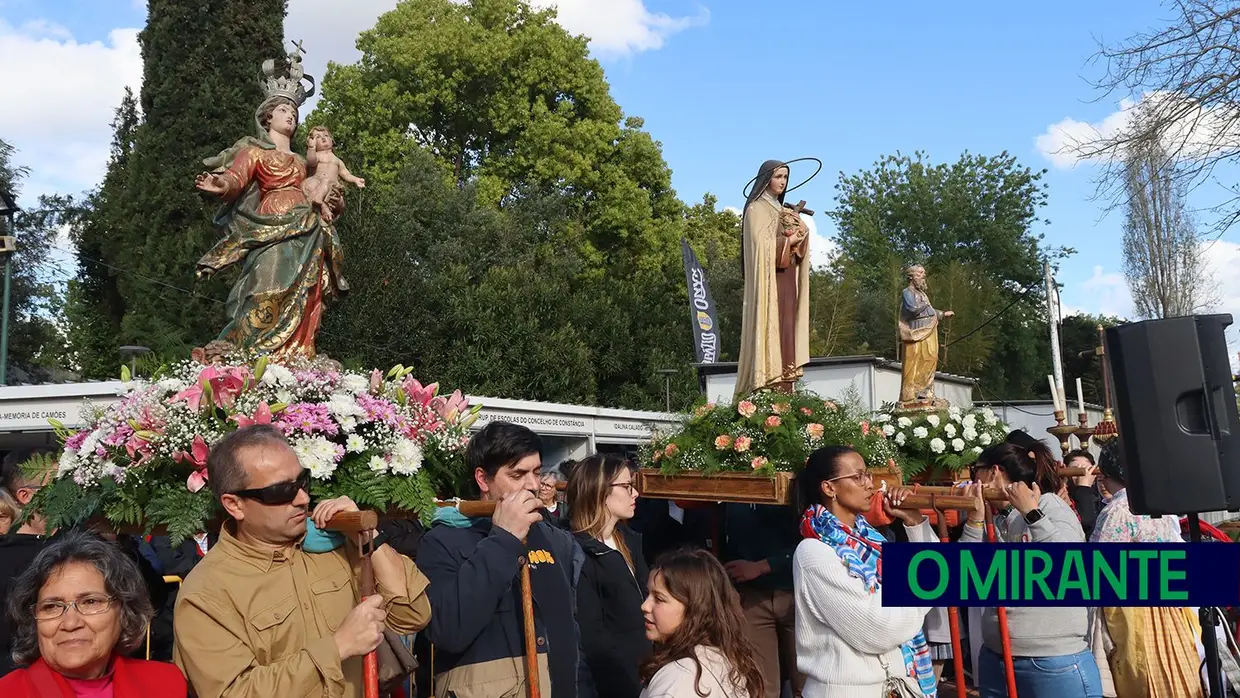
775, 264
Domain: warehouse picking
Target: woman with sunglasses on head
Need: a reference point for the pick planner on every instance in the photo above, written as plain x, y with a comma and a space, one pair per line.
848, 643
602, 496
76, 612
1050, 655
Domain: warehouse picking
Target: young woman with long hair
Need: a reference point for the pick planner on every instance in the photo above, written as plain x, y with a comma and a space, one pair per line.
848, 643
1050, 654
602, 496
693, 617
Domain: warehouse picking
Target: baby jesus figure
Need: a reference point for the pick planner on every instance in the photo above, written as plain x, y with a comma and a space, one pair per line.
792, 250
323, 187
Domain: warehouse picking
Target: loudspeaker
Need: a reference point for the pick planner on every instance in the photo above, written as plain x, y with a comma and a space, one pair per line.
1178, 425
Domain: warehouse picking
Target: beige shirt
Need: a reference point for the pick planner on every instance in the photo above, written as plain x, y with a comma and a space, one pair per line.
255, 624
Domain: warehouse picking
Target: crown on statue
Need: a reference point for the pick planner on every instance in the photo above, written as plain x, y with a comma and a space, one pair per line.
289, 84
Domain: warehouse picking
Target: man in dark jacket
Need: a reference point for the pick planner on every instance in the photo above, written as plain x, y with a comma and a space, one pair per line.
758, 546
475, 591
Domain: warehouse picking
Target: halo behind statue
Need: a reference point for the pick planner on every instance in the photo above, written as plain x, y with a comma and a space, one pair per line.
746, 193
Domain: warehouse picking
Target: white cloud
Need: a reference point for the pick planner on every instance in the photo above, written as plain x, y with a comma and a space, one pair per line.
61, 96
1199, 133
1107, 293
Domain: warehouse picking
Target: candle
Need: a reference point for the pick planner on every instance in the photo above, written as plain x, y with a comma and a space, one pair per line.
1080, 395
1054, 393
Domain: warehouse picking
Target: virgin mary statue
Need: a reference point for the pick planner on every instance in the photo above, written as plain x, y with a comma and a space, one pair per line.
775, 264
290, 257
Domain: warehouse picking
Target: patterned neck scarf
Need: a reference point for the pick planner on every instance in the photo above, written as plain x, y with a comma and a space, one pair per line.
861, 550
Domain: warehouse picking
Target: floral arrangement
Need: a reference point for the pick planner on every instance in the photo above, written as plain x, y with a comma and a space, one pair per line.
943, 441
766, 433
385, 440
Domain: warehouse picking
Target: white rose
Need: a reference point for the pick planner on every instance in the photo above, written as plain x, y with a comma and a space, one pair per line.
988, 416
883, 418
970, 434
970, 421
904, 422
954, 412
172, 385
888, 430
900, 439
920, 432
950, 430
984, 439
957, 445
937, 445
933, 420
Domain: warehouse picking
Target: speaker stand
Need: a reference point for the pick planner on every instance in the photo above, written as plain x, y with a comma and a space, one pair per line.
1209, 633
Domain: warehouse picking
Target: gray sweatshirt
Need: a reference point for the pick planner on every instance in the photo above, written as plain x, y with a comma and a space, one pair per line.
1037, 632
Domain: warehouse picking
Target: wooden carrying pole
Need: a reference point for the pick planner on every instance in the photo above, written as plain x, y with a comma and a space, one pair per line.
358, 523
486, 508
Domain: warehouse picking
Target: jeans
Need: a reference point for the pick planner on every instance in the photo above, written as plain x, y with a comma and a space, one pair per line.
1069, 676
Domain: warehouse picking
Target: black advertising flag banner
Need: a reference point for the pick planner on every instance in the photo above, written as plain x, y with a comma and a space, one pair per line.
701, 308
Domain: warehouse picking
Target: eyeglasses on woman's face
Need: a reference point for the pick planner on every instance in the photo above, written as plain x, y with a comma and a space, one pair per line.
862, 478
630, 488
91, 605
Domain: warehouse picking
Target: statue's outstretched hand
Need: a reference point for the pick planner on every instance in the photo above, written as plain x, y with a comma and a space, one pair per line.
210, 183
948, 313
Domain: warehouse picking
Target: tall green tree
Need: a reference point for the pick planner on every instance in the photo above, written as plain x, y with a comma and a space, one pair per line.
34, 339
199, 92
1077, 334
509, 101
970, 223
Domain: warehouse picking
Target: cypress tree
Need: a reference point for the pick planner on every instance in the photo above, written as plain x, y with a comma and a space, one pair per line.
200, 89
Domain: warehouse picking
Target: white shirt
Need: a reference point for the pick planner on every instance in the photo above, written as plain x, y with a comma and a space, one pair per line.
679, 679
842, 629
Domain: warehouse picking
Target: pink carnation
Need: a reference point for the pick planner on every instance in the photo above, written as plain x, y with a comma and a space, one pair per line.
815, 430
758, 462
742, 444
772, 422
780, 407
746, 408
723, 442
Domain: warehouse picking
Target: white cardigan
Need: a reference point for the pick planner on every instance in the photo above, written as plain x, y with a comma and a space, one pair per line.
842, 628
679, 679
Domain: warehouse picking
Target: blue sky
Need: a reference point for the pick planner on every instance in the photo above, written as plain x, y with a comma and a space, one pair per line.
723, 84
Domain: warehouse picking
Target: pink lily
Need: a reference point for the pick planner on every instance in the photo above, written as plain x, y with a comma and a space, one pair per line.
449, 409
197, 480
262, 415
197, 455
138, 449
419, 394
223, 385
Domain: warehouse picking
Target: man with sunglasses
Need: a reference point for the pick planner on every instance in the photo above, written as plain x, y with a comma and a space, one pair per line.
474, 566
259, 617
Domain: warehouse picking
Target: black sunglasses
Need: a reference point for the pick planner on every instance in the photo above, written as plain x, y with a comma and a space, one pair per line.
279, 493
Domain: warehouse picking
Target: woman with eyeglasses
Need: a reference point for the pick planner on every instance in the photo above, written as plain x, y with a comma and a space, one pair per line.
602, 495
75, 613
848, 643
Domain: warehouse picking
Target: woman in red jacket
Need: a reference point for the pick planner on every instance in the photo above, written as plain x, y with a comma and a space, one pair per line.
75, 612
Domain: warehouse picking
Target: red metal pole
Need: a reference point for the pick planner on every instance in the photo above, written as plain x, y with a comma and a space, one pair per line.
1003, 620
370, 663
953, 617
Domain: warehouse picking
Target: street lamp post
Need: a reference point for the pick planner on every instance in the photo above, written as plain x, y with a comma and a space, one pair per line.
8, 245
667, 374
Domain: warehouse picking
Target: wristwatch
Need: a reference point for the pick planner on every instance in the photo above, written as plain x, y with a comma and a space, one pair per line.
1034, 516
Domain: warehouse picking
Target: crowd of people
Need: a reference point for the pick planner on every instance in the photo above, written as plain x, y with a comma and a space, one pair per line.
631, 598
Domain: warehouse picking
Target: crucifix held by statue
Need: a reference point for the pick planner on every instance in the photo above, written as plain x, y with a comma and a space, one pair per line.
775, 264
919, 339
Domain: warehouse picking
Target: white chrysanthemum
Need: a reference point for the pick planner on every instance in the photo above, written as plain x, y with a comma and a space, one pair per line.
949, 429
348, 424
920, 432
277, 375
957, 445
285, 396
937, 445
969, 421
988, 416
378, 464
984, 439
900, 439
883, 418
68, 462
355, 444
933, 420
406, 457
318, 454
970, 434
354, 383
904, 422
172, 385
343, 406
888, 430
